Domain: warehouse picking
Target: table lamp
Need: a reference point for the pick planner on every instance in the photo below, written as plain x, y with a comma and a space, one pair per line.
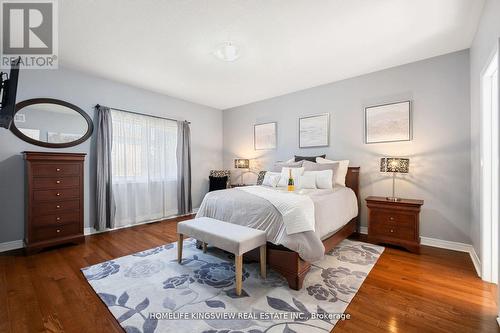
394, 165
242, 163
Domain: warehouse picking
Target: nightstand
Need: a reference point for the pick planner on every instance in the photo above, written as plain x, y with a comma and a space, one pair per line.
394, 222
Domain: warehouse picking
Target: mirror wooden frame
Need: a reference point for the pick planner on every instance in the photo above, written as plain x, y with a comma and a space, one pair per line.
28, 102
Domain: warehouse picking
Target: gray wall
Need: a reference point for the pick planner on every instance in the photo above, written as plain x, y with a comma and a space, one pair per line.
439, 152
484, 44
85, 91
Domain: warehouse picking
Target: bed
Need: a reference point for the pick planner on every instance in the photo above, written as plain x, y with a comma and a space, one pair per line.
335, 218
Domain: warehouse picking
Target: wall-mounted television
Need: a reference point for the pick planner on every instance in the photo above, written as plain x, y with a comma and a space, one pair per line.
8, 91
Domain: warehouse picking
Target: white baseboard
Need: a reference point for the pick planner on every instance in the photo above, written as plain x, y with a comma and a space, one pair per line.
91, 230
13, 245
475, 260
444, 244
18, 244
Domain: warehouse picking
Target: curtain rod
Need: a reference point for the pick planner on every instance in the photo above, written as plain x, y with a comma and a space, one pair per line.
140, 114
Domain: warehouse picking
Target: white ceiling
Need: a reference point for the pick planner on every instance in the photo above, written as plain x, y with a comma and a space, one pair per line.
286, 45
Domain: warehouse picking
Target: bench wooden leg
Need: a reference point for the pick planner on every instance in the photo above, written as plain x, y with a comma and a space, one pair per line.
204, 247
239, 272
180, 238
263, 272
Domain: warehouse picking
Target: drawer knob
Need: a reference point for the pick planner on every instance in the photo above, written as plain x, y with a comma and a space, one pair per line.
58, 194
58, 182
58, 218
392, 230
58, 169
58, 230
391, 218
58, 206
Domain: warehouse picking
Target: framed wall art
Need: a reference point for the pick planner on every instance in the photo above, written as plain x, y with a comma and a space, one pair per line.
264, 136
388, 122
314, 131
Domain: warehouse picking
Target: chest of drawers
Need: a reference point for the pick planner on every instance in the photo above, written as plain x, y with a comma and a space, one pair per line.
394, 222
54, 199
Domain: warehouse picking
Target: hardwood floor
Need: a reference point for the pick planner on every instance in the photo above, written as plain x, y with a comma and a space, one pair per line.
437, 291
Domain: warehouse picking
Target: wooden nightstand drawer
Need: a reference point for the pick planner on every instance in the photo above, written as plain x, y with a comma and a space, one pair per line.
393, 231
394, 222
393, 218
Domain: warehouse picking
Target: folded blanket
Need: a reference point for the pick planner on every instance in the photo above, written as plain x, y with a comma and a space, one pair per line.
243, 208
297, 210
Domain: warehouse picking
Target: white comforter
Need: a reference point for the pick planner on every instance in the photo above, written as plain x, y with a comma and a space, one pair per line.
297, 210
332, 210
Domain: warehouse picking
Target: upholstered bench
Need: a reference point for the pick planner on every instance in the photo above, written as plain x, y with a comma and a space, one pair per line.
229, 237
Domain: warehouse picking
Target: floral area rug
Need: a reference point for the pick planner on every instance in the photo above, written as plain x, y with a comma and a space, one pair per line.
150, 292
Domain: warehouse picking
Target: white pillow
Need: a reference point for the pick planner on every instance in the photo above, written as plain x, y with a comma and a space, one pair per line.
307, 181
271, 179
341, 173
323, 178
296, 173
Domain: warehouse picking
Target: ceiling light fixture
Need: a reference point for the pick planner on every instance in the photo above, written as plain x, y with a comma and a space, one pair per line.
227, 51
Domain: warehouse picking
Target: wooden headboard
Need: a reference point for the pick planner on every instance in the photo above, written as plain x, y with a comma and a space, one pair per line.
352, 180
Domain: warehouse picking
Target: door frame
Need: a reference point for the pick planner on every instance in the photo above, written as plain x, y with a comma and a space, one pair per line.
489, 172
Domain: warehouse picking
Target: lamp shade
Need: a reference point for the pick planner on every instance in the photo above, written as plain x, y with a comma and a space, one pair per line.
394, 164
241, 163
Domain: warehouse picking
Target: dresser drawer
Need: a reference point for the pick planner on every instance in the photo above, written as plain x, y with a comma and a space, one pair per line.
55, 207
392, 231
55, 182
50, 195
393, 218
54, 232
55, 169
57, 219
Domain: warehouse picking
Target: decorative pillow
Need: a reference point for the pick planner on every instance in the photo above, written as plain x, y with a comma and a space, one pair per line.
217, 183
342, 171
296, 173
308, 158
278, 166
271, 179
307, 181
323, 178
260, 177
221, 173
311, 166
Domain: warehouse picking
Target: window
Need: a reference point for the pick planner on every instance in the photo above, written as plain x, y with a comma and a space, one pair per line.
144, 167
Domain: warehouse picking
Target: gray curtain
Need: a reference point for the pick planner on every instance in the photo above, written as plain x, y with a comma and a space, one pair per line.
105, 204
184, 202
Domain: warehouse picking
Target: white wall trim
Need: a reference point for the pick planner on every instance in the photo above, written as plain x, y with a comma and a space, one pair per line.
91, 230
18, 244
13, 245
449, 245
475, 260
444, 244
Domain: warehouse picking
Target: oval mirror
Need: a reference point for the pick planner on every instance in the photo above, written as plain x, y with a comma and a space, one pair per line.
51, 123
